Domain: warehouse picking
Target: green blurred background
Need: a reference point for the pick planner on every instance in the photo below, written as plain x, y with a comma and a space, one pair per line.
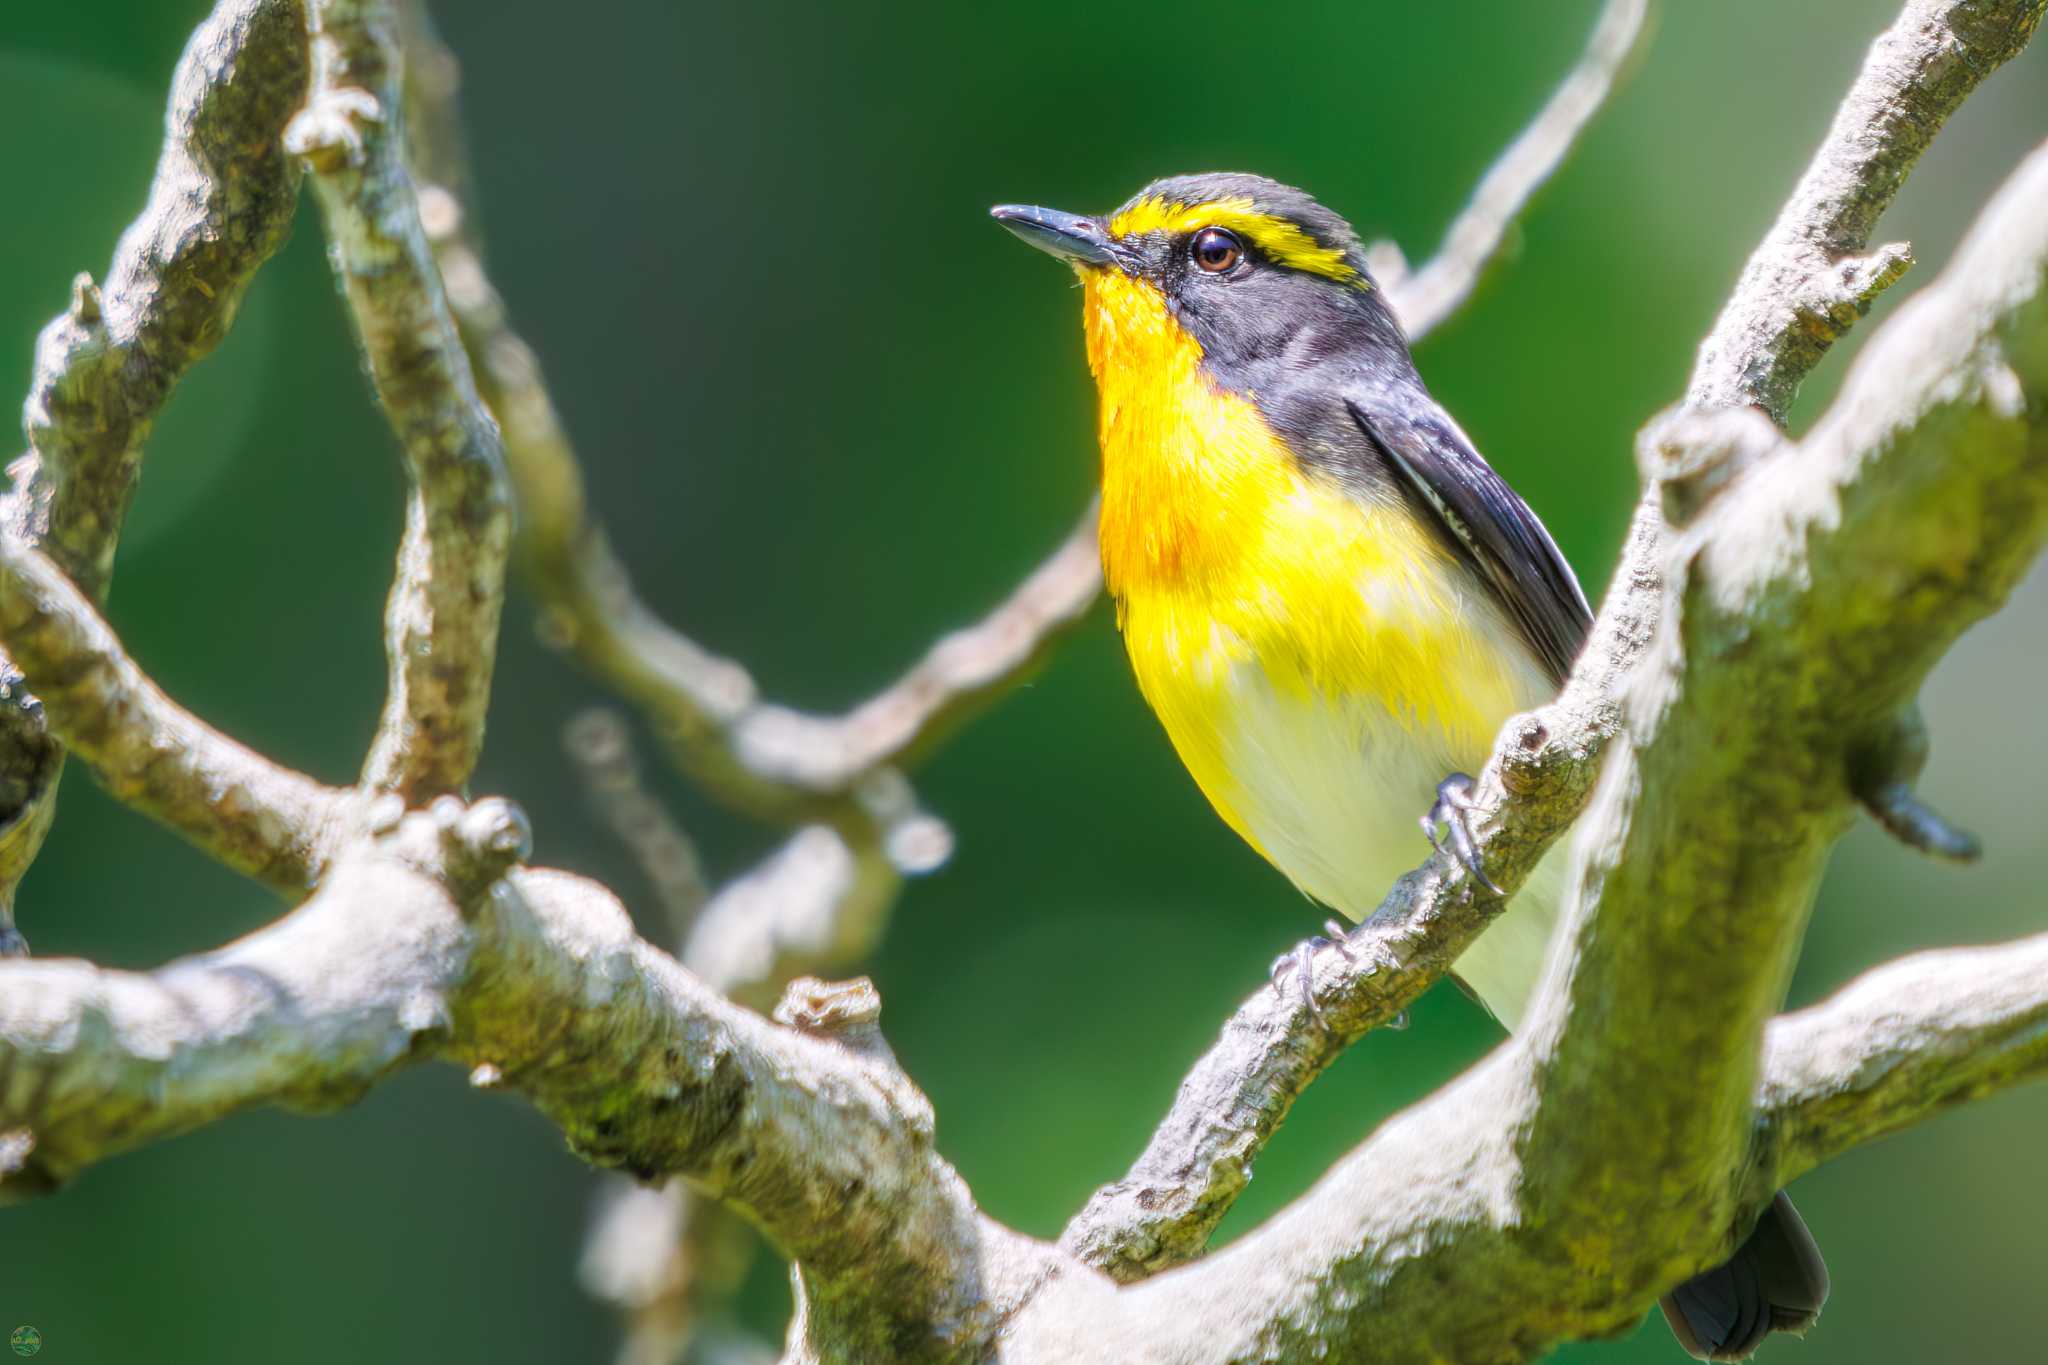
829, 411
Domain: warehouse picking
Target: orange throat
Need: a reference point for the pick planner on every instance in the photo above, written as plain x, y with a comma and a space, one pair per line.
1180, 460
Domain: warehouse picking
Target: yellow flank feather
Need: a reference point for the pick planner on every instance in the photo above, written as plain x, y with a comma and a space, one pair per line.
1279, 624
1279, 239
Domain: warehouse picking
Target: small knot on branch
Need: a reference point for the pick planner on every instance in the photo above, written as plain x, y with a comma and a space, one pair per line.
1529, 754
1692, 453
86, 304
1840, 293
329, 132
849, 1014
839, 1010
1865, 277
480, 842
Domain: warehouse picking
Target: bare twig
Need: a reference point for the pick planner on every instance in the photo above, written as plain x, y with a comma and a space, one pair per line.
816, 904
1200, 1158
821, 901
760, 757
599, 743
775, 760
1424, 298
1811, 279
220, 205
441, 624
261, 819
959, 675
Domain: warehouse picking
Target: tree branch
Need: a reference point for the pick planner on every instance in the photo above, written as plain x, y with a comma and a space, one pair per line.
536, 982
1837, 545
441, 625
668, 1256
763, 758
600, 744
1814, 276
262, 820
771, 759
220, 204
1804, 593
1898, 1045
819, 903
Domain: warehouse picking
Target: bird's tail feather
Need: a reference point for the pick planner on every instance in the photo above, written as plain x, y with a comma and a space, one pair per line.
1775, 1282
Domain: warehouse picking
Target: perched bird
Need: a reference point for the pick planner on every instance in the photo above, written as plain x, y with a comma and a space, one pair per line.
1331, 602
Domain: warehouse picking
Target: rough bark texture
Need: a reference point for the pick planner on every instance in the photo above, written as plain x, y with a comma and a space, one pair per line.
220, 205
441, 624
1749, 684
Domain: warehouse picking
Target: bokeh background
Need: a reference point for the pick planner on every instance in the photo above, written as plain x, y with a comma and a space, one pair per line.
829, 411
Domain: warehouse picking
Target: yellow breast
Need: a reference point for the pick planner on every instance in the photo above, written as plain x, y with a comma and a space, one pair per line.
1277, 622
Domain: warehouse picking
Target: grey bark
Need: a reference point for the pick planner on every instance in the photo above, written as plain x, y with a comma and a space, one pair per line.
1749, 685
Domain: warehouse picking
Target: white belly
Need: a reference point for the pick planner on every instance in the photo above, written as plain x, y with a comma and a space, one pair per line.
1332, 791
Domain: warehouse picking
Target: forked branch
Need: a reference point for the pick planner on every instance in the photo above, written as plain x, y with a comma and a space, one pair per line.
1817, 584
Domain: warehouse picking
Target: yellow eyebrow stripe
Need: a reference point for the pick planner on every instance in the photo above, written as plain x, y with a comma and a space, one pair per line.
1281, 240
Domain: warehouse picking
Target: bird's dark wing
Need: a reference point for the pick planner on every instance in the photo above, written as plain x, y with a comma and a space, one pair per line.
1484, 517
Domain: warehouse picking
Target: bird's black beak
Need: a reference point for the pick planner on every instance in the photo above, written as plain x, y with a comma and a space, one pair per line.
1065, 235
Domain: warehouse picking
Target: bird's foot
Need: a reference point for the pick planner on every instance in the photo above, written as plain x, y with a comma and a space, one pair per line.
1298, 966
1453, 812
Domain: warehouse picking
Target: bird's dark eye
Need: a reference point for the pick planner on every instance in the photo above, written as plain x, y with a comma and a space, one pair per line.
1216, 250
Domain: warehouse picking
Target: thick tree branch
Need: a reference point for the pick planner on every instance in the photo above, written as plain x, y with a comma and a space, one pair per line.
220, 204
1753, 733
1804, 592
819, 903
1899, 1044
441, 624
668, 1256
537, 983
261, 819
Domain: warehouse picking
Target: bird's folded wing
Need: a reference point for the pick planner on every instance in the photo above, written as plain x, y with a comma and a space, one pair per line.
1485, 518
